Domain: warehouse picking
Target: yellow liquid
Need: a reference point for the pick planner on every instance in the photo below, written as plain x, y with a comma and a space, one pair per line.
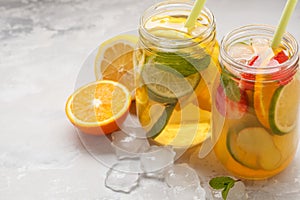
188, 121
264, 156
249, 166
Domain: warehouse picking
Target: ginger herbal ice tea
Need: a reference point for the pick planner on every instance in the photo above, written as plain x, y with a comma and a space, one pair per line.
258, 95
173, 98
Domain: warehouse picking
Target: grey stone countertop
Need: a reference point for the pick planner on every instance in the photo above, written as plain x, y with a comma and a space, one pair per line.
43, 45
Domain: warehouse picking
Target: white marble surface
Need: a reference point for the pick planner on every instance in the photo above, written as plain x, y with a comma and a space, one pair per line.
43, 45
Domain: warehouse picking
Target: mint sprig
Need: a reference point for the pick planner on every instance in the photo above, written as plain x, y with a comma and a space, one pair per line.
183, 63
231, 88
222, 182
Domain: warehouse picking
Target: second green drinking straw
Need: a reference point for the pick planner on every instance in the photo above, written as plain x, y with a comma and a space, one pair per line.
285, 17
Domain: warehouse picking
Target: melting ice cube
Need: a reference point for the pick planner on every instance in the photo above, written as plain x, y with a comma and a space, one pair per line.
123, 176
181, 175
184, 183
157, 159
238, 192
128, 145
135, 131
241, 52
260, 44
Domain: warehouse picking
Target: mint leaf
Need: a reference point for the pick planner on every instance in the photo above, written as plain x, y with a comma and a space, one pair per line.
231, 88
183, 63
223, 182
161, 122
220, 182
226, 189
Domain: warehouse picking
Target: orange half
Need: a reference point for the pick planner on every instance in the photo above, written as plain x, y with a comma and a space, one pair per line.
99, 107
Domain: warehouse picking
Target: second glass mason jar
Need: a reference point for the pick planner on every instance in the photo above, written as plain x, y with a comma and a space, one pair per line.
258, 96
175, 67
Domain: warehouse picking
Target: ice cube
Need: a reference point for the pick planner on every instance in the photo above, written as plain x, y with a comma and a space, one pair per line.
156, 160
132, 126
260, 45
241, 51
216, 194
128, 145
152, 189
123, 176
189, 192
135, 131
237, 192
181, 175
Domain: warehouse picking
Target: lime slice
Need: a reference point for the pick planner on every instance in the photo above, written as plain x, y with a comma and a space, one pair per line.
254, 148
167, 86
284, 108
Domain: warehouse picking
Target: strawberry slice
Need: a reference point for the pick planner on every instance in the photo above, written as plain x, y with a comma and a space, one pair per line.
247, 82
281, 57
229, 108
254, 59
284, 77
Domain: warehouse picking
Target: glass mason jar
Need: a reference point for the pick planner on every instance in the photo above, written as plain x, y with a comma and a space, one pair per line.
175, 67
257, 94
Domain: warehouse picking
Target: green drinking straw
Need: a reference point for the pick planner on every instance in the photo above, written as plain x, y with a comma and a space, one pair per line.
285, 17
198, 6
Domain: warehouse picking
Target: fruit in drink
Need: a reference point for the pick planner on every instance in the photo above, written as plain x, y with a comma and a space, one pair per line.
173, 99
260, 106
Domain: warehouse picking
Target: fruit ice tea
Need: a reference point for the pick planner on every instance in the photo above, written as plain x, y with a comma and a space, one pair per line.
175, 67
257, 94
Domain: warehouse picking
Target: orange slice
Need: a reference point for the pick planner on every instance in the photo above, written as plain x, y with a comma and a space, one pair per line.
114, 60
99, 107
263, 94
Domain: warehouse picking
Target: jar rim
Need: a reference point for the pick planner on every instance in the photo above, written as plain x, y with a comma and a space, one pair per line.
261, 30
177, 42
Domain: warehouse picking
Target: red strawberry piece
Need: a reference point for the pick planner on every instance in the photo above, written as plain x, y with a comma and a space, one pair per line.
247, 80
229, 108
284, 77
281, 57
254, 59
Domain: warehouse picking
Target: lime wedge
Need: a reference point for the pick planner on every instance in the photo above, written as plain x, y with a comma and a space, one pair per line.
284, 108
167, 86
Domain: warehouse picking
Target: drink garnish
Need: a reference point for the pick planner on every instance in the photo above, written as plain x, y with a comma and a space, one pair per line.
281, 57
223, 182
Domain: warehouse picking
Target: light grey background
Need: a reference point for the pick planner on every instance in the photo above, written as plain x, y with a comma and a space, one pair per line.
43, 44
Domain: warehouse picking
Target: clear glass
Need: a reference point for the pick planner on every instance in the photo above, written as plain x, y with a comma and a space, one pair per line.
174, 70
259, 105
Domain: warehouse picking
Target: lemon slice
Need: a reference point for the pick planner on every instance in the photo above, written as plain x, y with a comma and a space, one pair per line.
284, 108
114, 60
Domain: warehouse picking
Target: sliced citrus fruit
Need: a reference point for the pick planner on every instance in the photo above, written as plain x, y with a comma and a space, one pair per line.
167, 86
262, 97
284, 108
99, 107
114, 60
253, 147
